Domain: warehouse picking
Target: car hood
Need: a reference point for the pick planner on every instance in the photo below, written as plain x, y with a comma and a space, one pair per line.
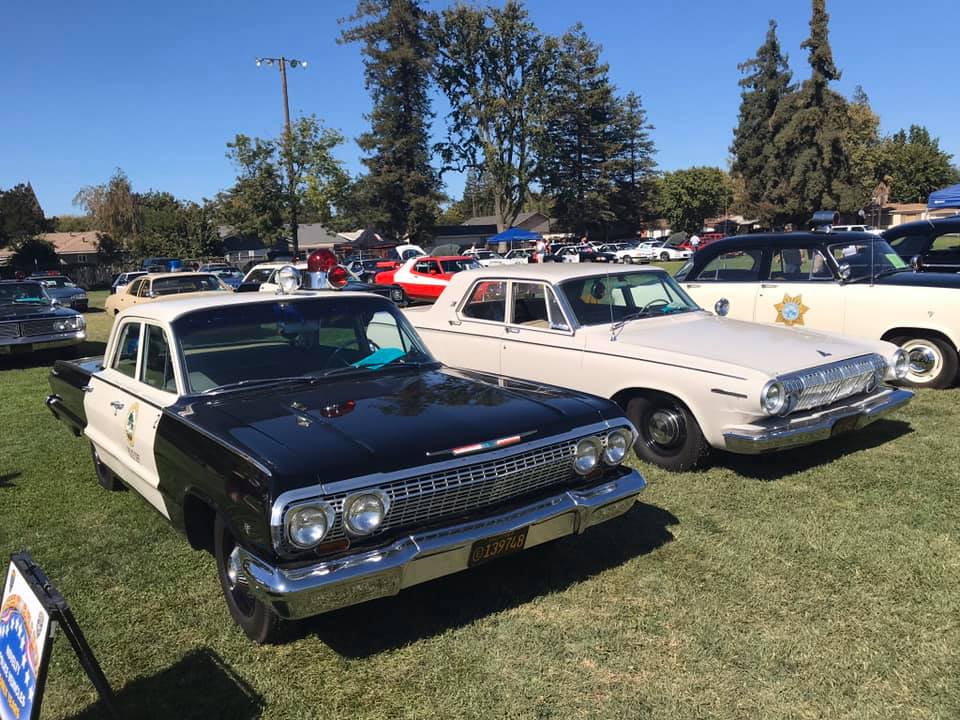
59, 292
387, 422
920, 279
714, 343
25, 311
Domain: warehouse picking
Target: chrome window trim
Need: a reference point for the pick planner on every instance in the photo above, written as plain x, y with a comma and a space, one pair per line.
465, 300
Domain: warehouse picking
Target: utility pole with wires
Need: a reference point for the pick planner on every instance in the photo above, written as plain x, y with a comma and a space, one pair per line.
281, 63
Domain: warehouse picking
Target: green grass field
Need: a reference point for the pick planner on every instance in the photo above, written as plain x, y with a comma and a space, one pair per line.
820, 583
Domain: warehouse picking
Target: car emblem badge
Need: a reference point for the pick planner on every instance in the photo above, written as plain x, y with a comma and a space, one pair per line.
485, 445
790, 312
131, 424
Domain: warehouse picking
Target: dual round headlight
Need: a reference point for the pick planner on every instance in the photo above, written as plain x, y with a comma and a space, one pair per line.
612, 449
775, 399
899, 365
364, 512
308, 524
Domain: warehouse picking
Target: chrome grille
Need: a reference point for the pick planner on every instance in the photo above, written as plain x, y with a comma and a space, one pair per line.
425, 498
826, 384
9, 330
37, 327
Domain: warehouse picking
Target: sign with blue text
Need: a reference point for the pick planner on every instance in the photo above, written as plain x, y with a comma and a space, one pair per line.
25, 631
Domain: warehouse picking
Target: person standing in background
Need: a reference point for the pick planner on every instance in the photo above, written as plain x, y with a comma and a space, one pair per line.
694, 242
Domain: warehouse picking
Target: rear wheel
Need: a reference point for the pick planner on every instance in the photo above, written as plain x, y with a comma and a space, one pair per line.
932, 361
669, 435
258, 621
105, 476
664, 256
628, 259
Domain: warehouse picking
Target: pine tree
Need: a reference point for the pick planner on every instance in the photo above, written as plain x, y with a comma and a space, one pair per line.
863, 143
579, 138
766, 82
811, 144
633, 167
399, 56
21, 216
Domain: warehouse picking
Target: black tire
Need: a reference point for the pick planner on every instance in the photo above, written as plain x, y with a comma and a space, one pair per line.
669, 435
258, 621
933, 362
105, 476
665, 256
628, 260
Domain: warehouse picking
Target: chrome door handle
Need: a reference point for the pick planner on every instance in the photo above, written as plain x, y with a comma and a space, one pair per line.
116, 405
513, 330
87, 388
693, 285
768, 285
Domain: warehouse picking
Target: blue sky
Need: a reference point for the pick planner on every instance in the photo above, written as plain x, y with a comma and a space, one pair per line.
158, 88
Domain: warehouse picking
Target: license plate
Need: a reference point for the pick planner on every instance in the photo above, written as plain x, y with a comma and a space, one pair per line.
844, 425
497, 546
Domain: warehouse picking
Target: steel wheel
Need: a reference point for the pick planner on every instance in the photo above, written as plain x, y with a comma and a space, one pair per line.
668, 434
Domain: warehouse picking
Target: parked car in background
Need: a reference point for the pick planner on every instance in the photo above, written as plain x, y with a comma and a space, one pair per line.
849, 283
487, 258
853, 228
425, 277
402, 253
366, 269
156, 286
30, 319
689, 381
642, 252
63, 290
162, 264
935, 244
228, 275
315, 446
664, 251
125, 278
519, 257
263, 278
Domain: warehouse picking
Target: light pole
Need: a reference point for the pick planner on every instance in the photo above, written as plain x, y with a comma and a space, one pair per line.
281, 63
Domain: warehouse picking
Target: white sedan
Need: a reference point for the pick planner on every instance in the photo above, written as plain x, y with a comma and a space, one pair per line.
663, 251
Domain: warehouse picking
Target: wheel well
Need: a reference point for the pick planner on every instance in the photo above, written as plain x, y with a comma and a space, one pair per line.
917, 332
623, 397
198, 519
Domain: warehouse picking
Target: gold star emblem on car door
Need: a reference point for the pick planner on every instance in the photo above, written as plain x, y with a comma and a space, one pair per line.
790, 311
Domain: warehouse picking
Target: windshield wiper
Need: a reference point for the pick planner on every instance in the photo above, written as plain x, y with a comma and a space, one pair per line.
259, 381
401, 361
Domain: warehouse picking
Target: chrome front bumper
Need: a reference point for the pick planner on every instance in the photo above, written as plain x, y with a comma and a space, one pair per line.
43, 342
814, 426
304, 591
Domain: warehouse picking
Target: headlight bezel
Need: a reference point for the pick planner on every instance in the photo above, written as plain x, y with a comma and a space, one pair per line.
628, 436
323, 507
597, 445
899, 365
353, 499
783, 402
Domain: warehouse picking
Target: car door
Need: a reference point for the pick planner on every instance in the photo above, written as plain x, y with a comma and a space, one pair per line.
800, 290
128, 294
479, 327
539, 342
124, 401
734, 275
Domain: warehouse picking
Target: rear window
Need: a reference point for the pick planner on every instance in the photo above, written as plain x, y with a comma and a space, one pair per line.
190, 283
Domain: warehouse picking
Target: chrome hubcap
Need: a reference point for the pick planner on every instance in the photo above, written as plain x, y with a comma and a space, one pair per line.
665, 426
924, 360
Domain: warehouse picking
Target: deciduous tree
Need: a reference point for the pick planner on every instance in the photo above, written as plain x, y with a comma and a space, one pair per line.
687, 197
915, 165
113, 207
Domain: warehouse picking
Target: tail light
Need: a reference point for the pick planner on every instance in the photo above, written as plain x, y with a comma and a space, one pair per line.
338, 276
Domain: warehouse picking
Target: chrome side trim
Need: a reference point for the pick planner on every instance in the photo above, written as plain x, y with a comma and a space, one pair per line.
299, 592
792, 431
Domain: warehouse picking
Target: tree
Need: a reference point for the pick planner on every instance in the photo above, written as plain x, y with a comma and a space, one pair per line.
914, 164
633, 169
811, 142
687, 197
863, 142
171, 227
262, 199
112, 207
578, 141
21, 216
492, 68
72, 223
398, 59
31, 254
766, 81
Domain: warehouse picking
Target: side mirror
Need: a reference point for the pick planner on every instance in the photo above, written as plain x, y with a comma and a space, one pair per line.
722, 307
916, 263
151, 294
844, 271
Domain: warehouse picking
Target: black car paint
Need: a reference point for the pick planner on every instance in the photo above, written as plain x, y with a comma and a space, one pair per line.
776, 241
918, 240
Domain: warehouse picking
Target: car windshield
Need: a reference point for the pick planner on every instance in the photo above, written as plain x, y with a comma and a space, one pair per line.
303, 339
229, 273
600, 299
259, 275
177, 284
484, 254
56, 282
458, 264
25, 292
867, 258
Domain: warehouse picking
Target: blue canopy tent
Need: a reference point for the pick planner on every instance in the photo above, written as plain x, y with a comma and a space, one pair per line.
514, 234
949, 197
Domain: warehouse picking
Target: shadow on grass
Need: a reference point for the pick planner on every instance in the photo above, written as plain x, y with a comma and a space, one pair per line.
5, 479
457, 600
40, 358
200, 685
774, 466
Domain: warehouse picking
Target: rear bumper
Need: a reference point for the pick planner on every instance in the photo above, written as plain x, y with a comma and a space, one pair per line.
322, 587
41, 342
784, 433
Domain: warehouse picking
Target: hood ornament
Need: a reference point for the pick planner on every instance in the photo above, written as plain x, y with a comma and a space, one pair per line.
824, 353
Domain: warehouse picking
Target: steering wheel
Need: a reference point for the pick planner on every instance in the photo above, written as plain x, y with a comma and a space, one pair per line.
343, 346
656, 302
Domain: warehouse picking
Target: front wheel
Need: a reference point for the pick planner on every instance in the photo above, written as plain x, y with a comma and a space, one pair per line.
258, 621
664, 256
669, 435
628, 260
932, 362
105, 476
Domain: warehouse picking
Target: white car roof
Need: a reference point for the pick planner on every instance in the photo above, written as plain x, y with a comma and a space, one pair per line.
168, 310
277, 266
552, 272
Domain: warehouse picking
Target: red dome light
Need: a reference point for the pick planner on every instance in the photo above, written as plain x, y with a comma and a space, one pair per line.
338, 276
321, 260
